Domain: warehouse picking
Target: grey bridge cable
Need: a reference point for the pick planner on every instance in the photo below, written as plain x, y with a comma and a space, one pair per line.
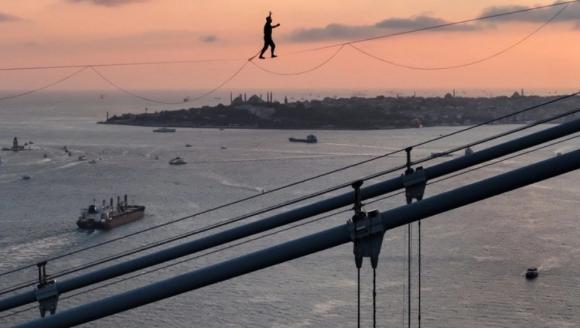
466, 64
26, 93
292, 227
236, 219
226, 222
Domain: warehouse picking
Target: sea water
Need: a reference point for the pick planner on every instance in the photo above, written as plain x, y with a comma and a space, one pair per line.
473, 257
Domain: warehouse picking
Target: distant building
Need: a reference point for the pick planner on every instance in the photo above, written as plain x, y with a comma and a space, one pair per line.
255, 100
238, 101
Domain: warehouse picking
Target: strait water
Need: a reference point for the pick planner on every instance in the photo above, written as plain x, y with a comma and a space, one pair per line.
473, 257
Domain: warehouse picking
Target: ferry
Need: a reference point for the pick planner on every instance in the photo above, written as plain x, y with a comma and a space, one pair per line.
107, 217
309, 139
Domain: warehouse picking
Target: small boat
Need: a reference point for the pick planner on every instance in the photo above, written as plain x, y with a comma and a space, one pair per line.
164, 130
177, 161
441, 154
109, 216
309, 139
223, 147
532, 273
188, 145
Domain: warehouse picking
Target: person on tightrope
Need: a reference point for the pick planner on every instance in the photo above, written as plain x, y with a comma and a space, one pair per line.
268, 42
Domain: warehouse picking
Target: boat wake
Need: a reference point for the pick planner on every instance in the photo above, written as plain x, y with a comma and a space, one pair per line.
228, 183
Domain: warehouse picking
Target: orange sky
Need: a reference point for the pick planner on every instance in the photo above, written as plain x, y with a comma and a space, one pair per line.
61, 32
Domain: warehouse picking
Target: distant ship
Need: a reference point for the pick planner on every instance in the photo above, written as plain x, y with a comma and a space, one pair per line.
109, 216
309, 139
164, 130
531, 273
177, 161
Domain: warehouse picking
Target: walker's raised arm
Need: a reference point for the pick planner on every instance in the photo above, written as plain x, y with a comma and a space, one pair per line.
270, 16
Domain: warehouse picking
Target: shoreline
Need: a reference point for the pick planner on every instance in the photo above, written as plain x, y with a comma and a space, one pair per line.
355, 113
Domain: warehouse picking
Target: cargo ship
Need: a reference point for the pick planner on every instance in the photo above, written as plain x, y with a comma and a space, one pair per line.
107, 217
309, 139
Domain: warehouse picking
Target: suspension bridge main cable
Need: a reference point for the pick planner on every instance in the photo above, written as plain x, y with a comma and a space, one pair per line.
239, 218
467, 64
295, 226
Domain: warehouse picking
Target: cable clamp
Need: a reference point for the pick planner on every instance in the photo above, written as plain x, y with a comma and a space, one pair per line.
414, 180
367, 233
46, 291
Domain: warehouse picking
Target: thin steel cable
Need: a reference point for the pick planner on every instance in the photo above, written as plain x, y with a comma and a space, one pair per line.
374, 297
358, 296
306, 71
226, 222
50, 85
378, 37
463, 65
135, 63
439, 26
156, 101
300, 225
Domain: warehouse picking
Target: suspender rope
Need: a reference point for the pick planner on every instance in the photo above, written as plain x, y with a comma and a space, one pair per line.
374, 297
358, 296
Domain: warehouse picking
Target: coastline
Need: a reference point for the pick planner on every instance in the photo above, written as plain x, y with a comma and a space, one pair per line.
354, 113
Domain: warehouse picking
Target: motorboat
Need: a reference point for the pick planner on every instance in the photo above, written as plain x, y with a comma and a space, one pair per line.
531, 273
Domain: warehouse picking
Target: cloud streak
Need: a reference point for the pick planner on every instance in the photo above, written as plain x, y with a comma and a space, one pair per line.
7, 18
208, 38
108, 3
571, 14
337, 31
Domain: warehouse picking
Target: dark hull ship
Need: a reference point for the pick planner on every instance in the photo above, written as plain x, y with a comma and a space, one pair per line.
109, 216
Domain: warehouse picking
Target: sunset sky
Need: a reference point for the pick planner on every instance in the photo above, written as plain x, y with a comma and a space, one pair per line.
63, 32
